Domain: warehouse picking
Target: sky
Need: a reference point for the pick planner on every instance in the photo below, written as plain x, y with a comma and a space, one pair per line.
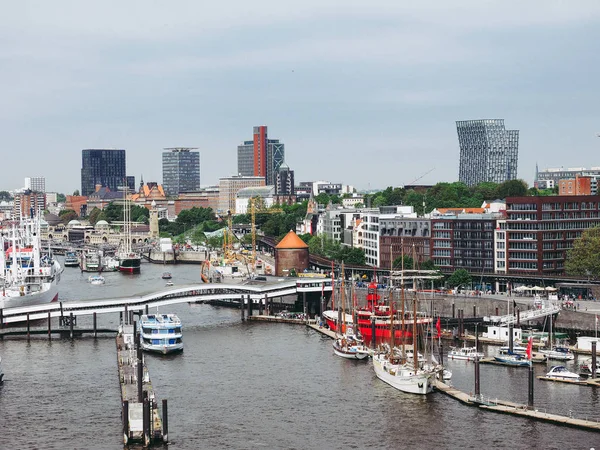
362, 93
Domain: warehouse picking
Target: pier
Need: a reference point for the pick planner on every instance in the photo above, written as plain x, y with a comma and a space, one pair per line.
142, 421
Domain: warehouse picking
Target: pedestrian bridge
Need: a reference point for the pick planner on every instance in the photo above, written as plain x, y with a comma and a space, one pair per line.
257, 292
524, 316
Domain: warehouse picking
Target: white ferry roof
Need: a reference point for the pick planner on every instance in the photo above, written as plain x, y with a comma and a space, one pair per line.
160, 319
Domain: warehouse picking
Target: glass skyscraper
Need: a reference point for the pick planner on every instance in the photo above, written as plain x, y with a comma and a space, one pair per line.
261, 157
105, 167
181, 170
488, 151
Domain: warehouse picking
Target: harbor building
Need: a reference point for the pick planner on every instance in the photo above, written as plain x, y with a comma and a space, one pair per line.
488, 151
261, 157
230, 186
291, 256
578, 186
548, 178
105, 167
207, 197
181, 170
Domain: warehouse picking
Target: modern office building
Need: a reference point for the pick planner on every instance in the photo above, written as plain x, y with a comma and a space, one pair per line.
261, 157
104, 167
488, 151
181, 170
35, 184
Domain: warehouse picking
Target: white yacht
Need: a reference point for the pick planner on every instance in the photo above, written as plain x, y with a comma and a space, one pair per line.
561, 373
464, 353
161, 333
403, 377
350, 346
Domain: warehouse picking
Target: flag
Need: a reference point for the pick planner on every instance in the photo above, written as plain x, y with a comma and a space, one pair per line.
529, 347
514, 305
596, 319
438, 327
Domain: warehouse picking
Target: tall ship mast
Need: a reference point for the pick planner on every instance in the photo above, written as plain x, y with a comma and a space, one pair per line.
129, 260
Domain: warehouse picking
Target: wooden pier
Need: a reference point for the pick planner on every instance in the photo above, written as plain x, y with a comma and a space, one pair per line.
325, 331
278, 319
141, 419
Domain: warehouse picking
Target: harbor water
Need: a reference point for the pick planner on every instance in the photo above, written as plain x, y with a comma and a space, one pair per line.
248, 385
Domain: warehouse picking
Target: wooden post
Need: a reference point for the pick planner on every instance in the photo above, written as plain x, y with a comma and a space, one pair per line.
322, 305
1, 318
593, 359
304, 306
530, 396
477, 383
49, 327
62, 320
165, 420
146, 309
95, 327
125, 421
518, 317
373, 331
242, 307
121, 318
140, 373
260, 307
496, 310
474, 311
453, 310
250, 305
28, 326
146, 421
71, 325
126, 316
510, 337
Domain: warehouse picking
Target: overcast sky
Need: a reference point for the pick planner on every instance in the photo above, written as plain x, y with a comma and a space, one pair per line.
364, 93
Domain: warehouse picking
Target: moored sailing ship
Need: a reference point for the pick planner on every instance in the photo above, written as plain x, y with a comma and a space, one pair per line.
129, 260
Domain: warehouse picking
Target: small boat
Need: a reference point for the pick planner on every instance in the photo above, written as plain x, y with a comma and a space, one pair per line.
464, 353
350, 346
169, 283
561, 373
403, 377
513, 360
166, 276
96, 280
161, 333
585, 368
71, 259
110, 263
559, 353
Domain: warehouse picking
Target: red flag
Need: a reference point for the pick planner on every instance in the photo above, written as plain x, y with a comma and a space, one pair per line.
438, 327
529, 347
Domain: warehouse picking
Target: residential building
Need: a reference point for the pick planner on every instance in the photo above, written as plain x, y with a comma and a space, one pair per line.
28, 204
488, 151
403, 234
464, 241
105, 167
284, 185
352, 202
207, 197
35, 184
548, 178
181, 170
264, 194
230, 186
541, 230
261, 157
578, 186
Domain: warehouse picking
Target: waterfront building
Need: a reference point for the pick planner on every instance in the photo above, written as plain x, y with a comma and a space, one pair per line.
548, 178
464, 241
206, 197
181, 170
291, 256
230, 186
541, 230
105, 167
488, 151
403, 234
35, 184
261, 157
77, 203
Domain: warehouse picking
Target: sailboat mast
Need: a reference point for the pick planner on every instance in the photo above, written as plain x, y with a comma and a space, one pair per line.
391, 302
343, 301
402, 294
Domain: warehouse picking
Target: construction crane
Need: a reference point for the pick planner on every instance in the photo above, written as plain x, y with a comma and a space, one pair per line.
253, 221
418, 178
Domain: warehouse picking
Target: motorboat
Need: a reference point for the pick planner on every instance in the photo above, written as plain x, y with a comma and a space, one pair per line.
559, 354
166, 276
71, 259
161, 333
561, 373
96, 280
516, 360
350, 346
464, 353
585, 367
403, 377
169, 283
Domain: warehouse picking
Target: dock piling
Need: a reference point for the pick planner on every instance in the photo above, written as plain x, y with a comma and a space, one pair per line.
260, 307
453, 310
250, 306
593, 359
518, 317
477, 378
165, 420
1, 318
49, 327
95, 326
146, 420
474, 311
146, 309
126, 316
510, 337
530, 396
125, 417
304, 305
373, 337
71, 325
28, 326
242, 307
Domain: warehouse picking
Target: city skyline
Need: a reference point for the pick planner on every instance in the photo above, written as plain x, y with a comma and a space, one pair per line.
364, 95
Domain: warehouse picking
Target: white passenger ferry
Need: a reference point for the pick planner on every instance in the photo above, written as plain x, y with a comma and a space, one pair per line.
161, 333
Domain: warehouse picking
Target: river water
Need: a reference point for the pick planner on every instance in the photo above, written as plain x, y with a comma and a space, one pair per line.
257, 385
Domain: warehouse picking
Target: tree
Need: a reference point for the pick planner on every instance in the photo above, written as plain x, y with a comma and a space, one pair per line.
584, 258
460, 277
512, 188
75, 192
5, 196
66, 215
408, 263
61, 198
94, 216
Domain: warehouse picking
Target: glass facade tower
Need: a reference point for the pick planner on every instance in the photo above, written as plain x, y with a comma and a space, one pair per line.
488, 151
105, 167
261, 157
181, 170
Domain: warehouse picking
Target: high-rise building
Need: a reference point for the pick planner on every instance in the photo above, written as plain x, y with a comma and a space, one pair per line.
181, 170
230, 186
261, 157
35, 184
488, 151
105, 167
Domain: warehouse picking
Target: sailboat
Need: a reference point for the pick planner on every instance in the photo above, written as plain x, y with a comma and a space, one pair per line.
395, 370
129, 261
347, 344
558, 353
